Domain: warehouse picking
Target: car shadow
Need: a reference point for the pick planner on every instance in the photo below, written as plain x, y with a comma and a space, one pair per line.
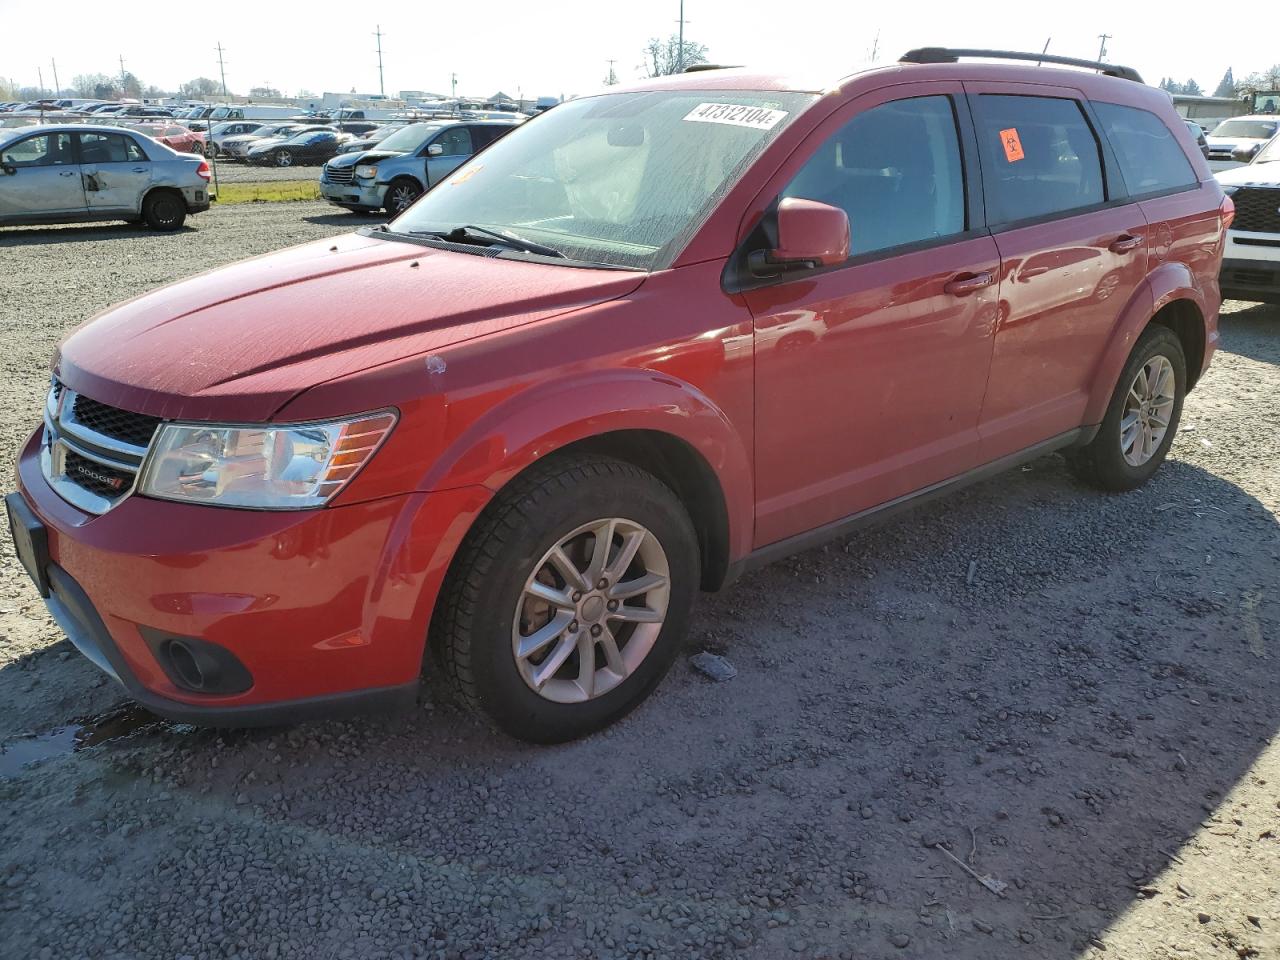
346, 218
1252, 331
1053, 685
28, 236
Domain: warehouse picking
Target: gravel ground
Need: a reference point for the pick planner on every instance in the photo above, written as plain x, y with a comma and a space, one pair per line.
237, 171
1074, 694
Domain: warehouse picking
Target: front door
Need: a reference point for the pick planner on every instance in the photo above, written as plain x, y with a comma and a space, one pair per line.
39, 177
1071, 258
446, 153
116, 172
870, 376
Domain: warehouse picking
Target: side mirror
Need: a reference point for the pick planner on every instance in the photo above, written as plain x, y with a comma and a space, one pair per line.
810, 235
435, 150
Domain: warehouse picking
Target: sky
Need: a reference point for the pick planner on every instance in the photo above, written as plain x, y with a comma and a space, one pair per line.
562, 47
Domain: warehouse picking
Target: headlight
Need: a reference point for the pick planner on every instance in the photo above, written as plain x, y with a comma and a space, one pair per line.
265, 467
367, 171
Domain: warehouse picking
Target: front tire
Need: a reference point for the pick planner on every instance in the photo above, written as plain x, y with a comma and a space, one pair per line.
284, 159
569, 599
164, 210
1142, 418
401, 195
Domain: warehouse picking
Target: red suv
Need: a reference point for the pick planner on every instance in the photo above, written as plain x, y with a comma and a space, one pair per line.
650, 339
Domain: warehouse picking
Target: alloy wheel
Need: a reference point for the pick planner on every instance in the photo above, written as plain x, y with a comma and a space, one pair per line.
1148, 408
402, 198
591, 611
284, 158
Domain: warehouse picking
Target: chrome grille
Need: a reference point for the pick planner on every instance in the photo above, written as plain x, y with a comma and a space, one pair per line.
339, 174
91, 453
1257, 210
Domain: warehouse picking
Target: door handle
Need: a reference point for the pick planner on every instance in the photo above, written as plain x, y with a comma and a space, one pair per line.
139, 169
968, 283
1125, 244
66, 173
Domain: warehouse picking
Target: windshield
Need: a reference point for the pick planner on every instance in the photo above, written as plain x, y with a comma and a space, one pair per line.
1246, 129
622, 179
1270, 153
409, 138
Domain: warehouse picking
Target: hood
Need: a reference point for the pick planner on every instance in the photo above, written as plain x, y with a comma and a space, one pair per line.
367, 156
1251, 175
1234, 143
237, 343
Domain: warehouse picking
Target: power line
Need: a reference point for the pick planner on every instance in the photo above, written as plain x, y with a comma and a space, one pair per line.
378, 33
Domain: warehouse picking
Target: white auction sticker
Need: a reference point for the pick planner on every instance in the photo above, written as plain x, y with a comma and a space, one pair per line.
761, 118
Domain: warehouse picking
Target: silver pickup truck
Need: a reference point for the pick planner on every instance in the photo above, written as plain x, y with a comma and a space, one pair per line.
72, 174
406, 164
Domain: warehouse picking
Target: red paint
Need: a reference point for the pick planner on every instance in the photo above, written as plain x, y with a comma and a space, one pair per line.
819, 396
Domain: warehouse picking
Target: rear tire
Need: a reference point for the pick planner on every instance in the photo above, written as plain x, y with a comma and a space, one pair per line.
491, 611
1142, 418
283, 158
164, 210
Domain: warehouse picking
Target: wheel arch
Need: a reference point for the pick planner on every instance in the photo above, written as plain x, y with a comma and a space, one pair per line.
661, 425
1171, 297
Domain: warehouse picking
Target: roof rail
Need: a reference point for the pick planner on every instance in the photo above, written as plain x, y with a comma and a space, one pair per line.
950, 55
699, 67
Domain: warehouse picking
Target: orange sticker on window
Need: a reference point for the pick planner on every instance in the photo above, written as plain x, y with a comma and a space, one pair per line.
1012, 145
467, 174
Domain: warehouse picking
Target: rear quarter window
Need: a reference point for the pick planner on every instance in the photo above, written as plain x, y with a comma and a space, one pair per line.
1150, 158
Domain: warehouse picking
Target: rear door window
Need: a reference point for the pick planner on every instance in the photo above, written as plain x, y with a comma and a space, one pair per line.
1039, 155
109, 148
1149, 156
895, 170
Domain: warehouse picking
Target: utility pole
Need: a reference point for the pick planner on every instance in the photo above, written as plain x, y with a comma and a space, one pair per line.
222, 69
40, 78
875, 47
613, 77
58, 91
453, 82
123, 82
1102, 48
680, 50
378, 33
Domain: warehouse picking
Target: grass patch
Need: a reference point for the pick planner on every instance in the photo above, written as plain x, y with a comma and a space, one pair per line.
271, 191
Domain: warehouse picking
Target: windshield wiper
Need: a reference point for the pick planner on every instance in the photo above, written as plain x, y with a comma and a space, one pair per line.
462, 234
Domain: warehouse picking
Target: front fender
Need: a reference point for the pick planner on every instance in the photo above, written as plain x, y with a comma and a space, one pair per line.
1169, 282
530, 424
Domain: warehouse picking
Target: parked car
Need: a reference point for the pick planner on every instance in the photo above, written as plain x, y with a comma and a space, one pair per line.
1241, 137
219, 132
308, 147
78, 173
251, 111
569, 408
174, 135
1251, 262
237, 146
374, 138
1197, 132
401, 168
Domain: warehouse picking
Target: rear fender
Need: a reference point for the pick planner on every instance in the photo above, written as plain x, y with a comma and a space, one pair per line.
1169, 282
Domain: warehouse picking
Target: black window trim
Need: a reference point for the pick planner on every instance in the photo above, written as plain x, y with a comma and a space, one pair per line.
1114, 190
75, 147
736, 278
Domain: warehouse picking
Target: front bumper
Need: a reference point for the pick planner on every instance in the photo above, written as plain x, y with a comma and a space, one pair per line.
327, 609
1256, 280
354, 194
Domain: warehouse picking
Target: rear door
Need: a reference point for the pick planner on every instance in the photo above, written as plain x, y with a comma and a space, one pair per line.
116, 172
1073, 251
39, 176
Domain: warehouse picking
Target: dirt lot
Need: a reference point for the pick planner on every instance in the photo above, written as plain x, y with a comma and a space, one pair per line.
1076, 693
